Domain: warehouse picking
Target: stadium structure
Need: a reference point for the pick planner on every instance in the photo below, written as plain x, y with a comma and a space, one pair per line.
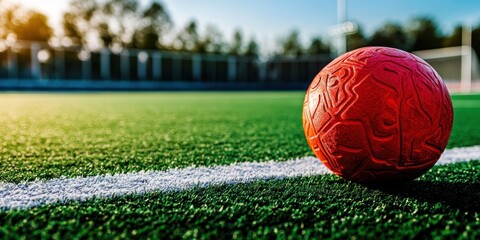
41, 66
33, 65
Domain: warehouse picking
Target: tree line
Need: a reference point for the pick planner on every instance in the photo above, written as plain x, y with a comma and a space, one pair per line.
127, 24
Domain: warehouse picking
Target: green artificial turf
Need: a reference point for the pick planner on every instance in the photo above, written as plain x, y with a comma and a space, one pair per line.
442, 204
50, 135
44, 136
466, 122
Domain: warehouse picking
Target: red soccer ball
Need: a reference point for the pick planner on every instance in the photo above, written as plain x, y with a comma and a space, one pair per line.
378, 114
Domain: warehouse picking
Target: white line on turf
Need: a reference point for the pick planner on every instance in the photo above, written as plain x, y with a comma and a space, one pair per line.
36, 193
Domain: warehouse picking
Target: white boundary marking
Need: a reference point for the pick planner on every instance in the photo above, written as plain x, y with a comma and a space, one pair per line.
36, 193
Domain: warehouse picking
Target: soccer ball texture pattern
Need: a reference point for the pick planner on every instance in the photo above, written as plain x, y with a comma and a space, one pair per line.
378, 114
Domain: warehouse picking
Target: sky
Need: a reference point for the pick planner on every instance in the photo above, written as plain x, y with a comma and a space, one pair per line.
269, 20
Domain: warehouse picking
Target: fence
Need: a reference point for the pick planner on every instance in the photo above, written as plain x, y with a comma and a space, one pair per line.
32, 62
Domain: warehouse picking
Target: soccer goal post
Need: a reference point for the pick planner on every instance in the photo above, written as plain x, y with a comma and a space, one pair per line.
458, 67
